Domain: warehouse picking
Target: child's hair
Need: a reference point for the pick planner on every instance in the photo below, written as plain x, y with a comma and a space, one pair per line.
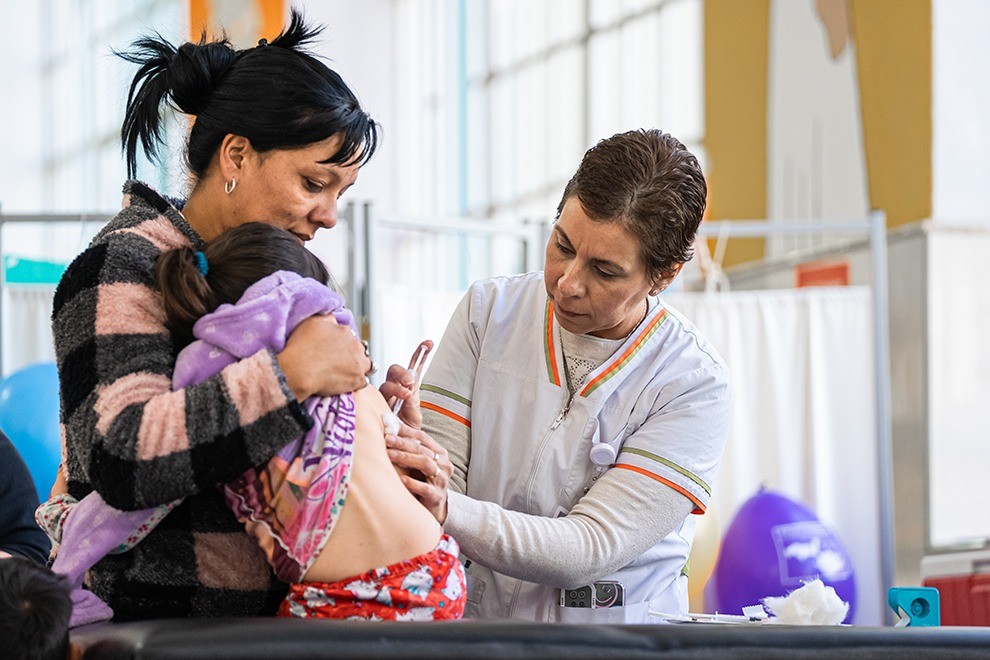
233, 261
35, 607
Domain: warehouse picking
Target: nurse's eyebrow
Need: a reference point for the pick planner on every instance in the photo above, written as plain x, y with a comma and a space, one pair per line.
330, 170
562, 234
605, 263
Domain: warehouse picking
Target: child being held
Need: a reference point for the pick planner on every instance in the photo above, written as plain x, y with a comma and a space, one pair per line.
34, 611
329, 510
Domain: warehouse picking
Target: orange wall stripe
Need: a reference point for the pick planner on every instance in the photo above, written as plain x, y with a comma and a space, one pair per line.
199, 19
272, 14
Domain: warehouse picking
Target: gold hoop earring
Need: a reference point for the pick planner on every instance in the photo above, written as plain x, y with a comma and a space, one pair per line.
228, 186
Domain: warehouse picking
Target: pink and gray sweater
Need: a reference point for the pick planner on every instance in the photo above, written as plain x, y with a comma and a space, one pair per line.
297, 495
130, 437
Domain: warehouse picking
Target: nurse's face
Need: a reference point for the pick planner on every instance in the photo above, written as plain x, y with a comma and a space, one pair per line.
595, 275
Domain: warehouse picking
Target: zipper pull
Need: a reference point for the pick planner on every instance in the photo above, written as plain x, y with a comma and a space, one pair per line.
560, 417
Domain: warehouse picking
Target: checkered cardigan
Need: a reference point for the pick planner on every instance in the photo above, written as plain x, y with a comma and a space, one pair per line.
127, 435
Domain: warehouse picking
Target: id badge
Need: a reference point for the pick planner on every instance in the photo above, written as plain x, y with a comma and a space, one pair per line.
600, 595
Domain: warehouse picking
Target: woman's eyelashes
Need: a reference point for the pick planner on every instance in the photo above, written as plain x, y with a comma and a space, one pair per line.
568, 251
313, 186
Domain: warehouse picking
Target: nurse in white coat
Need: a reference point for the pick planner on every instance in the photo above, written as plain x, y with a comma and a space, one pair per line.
580, 420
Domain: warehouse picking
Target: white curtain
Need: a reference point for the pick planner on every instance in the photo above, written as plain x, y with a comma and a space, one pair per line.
409, 314
802, 367
27, 326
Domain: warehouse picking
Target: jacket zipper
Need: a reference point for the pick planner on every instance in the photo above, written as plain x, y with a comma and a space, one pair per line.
532, 483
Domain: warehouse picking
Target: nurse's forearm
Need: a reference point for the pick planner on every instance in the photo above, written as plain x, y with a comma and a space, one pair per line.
620, 518
456, 439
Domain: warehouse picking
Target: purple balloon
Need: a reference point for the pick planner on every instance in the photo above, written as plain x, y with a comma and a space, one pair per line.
772, 547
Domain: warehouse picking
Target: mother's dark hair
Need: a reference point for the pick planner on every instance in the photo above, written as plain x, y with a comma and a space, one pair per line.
275, 94
650, 183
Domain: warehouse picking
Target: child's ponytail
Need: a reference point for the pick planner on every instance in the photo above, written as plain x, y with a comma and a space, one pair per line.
186, 294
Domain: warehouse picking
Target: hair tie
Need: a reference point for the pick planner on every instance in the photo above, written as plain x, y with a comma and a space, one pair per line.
201, 263
262, 42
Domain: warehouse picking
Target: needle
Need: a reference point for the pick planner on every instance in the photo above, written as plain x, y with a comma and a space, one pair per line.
416, 365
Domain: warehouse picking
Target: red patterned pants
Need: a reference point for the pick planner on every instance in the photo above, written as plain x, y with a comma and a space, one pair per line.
429, 587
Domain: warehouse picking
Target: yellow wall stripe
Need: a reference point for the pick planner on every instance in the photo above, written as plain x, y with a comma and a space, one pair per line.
737, 34
894, 61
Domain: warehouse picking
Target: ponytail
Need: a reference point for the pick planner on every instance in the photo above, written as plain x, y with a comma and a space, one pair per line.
185, 77
186, 294
276, 95
235, 260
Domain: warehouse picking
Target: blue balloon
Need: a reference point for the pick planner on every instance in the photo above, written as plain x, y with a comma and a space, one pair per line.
772, 547
29, 417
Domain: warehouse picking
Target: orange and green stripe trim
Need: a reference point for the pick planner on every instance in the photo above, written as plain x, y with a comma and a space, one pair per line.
548, 348
446, 413
699, 508
426, 387
670, 464
627, 356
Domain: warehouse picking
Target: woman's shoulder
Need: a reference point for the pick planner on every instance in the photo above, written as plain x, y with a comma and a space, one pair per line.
147, 216
125, 249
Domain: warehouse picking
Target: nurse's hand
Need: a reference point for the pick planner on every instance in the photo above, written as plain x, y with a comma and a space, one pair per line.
415, 450
400, 385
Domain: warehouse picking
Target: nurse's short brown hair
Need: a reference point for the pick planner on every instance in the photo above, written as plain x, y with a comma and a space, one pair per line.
650, 183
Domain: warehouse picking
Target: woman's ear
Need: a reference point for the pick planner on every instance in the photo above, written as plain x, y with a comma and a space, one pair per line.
664, 280
234, 149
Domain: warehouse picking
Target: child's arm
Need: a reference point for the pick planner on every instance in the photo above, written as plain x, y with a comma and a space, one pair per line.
53, 513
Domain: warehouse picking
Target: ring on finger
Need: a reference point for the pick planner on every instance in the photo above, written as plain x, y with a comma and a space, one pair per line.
436, 471
436, 459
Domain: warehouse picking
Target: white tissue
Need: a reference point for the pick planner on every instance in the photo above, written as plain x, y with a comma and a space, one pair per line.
391, 422
813, 604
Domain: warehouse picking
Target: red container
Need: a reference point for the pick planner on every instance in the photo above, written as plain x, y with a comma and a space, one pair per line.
963, 583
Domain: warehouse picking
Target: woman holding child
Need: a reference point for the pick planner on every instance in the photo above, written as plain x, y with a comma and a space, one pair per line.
128, 435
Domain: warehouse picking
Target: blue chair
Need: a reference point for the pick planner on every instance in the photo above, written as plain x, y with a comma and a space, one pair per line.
29, 417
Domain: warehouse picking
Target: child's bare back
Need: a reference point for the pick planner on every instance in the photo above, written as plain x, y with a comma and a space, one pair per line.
381, 522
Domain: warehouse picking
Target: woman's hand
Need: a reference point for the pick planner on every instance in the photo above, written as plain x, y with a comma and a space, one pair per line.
413, 449
400, 384
323, 358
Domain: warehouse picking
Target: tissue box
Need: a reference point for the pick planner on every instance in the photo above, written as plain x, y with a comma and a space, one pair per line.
963, 582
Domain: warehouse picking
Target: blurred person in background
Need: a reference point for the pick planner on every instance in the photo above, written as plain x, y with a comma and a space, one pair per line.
19, 534
34, 611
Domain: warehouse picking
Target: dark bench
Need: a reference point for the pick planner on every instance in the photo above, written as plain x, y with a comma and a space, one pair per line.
246, 639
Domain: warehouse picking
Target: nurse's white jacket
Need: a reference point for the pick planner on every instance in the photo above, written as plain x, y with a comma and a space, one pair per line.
662, 401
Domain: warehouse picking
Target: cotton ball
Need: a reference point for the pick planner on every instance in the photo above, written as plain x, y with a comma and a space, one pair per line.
812, 604
391, 422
